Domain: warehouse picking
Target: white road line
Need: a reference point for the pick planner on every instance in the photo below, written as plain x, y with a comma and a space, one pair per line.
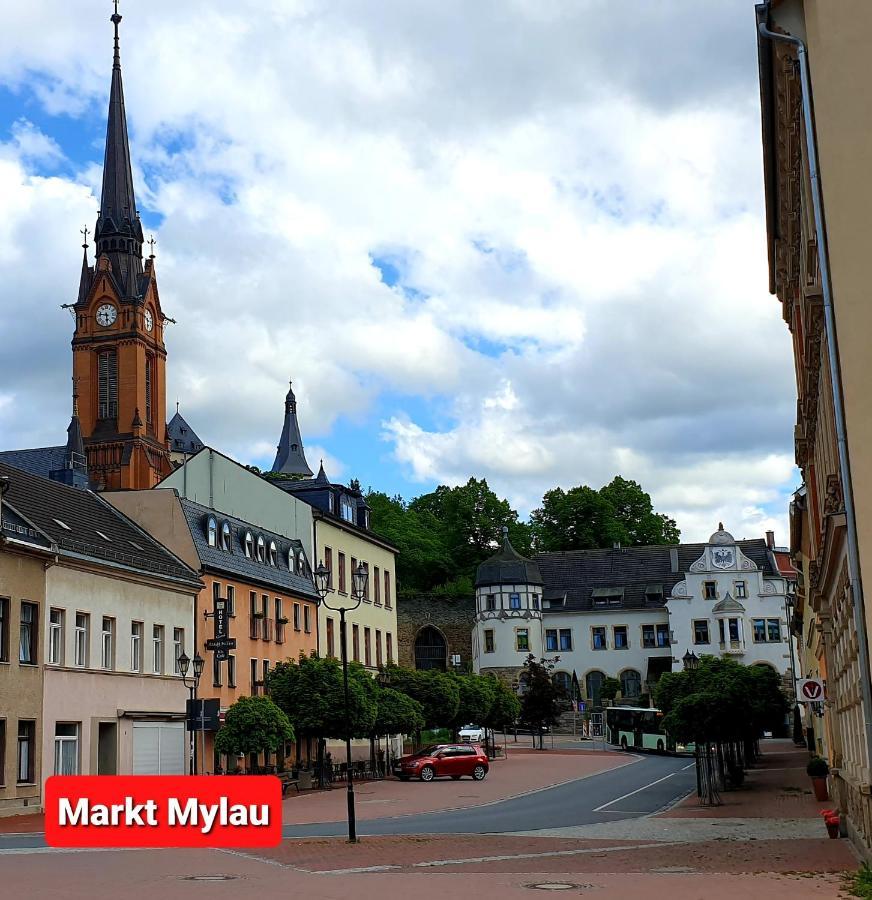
685, 768
638, 790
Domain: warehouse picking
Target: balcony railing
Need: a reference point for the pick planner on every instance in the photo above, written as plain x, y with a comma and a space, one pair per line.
732, 646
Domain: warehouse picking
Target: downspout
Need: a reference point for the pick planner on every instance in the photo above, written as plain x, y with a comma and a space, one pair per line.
853, 551
318, 605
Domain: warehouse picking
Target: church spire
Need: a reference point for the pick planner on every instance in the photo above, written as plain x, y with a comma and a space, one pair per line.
119, 232
290, 458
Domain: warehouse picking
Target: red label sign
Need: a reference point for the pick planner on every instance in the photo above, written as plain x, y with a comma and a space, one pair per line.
163, 811
811, 690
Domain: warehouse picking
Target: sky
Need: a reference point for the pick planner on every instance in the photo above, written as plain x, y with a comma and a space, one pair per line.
514, 239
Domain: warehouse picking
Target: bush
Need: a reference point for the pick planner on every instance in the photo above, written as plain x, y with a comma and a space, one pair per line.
817, 767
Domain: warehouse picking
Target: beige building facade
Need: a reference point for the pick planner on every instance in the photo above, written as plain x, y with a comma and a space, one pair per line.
816, 126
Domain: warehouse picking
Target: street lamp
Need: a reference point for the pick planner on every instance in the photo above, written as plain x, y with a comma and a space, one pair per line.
359, 578
196, 672
691, 661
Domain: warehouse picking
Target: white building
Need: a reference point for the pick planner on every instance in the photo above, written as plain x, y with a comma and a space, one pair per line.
630, 613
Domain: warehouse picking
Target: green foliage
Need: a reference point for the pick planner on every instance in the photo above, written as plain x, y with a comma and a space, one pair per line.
437, 692
506, 708
859, 884
540, 701
397, 713
477, 694
610, 688
817, 767
253, 725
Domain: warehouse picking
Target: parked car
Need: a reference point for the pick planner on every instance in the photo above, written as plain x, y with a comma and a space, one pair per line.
471, 733
442, 761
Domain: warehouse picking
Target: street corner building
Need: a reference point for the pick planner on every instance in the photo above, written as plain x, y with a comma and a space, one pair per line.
93, 614
816, 123
631, 613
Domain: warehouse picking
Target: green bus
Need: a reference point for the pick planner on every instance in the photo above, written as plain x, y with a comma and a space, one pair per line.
639, 728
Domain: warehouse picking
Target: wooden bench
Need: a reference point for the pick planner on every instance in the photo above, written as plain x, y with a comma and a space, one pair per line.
288, 779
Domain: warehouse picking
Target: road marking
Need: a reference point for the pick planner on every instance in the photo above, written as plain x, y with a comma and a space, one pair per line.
637, 791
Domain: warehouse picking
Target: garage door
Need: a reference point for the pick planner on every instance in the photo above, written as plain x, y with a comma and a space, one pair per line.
158, 748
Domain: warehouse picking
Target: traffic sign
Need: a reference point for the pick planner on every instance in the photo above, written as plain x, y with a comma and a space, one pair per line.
810, 690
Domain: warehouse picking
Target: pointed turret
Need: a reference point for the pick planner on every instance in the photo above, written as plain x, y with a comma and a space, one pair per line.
290, 458
75, 468
87, 272
119, 232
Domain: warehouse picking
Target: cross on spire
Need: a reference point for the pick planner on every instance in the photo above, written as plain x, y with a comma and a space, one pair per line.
151, 242
85, 232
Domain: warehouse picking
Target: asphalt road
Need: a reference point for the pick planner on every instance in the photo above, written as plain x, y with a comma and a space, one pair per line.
645, 786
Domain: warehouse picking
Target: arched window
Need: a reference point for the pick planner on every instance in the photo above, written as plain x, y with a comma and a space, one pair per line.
249, 545
431, 651
291, 558
301, 563
225, 536
593, 684
631, 684
261, 549
107, 385
563, 681
212, 532
273, 553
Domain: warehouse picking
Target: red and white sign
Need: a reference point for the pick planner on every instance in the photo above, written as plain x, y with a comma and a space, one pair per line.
810, 690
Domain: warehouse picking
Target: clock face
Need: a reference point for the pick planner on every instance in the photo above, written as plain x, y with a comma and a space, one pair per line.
106, 314
149, 320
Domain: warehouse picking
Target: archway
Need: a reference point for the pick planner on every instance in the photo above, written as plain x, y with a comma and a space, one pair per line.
631, 684
431, 651
563, 680
593, 684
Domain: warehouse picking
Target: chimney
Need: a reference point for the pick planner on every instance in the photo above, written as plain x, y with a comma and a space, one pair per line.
770, 540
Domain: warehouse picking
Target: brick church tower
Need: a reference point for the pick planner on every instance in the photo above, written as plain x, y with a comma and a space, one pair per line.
119, 358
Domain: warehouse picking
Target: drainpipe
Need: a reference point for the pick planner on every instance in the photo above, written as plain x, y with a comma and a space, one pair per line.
853, 551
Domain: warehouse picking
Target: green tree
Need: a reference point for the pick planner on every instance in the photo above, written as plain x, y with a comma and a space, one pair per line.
610, 688
253, 725
397, 713
633, 509
506, 708
540, 701
477, 694
437, 692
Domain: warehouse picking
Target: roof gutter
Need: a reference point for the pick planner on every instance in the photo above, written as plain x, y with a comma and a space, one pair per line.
853, 550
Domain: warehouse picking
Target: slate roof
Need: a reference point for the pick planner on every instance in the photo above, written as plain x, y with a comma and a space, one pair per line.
47, 503
507, 567
182, 438
577, 573
235, 562
38, 461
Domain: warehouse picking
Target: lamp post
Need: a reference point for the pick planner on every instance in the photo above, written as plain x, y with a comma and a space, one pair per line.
196, 672
359, 579
691, 661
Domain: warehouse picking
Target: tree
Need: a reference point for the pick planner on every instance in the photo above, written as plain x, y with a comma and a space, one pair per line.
633, 509
610, 688
505, 709
540, 701
253, 725
437, 692
397, 713
477, 694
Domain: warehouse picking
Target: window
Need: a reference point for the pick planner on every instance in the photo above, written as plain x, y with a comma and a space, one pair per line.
378, 648
766, 630
514, 601
345, 509
157, 642
376, 584
231, 600
733, 625
598, 637
710, 589
56, 637
149, 388
387, 589
389, 648
522, 640
107, 385
489, 646
216, 670
367, 650
741, 590
4, 629
107, 643
366, 583
178, 648
307, 619
296, 617
593, 684
252, 603
565, 639
261, 549
563, 683
26, 752
136, 646
225, 535
631, 683
80, 646
773, 628
231, 671
27, 632
759, 630
535, 601
490, 602
331, 645
701, 631
280, 621
664, 639
66, 748
620, 635
550, 640
2, 752
328, 564
355, 642
341, 573
212, 532
216, 593
273, 553
253, 676
648, 639
249, 544
265, 671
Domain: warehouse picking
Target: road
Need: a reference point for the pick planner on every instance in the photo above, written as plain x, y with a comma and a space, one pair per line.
646, 785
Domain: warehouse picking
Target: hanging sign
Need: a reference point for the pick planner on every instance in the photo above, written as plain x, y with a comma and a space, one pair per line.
810, 690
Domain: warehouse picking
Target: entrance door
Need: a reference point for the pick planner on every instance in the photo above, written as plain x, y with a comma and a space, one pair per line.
107, 748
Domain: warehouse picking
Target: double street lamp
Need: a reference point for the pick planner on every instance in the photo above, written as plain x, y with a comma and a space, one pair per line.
691, 661
359, 579
197, 670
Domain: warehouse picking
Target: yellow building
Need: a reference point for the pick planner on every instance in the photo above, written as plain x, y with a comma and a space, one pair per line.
814, 59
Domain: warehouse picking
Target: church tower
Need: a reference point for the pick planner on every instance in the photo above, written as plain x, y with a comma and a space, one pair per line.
119, 358
290, 458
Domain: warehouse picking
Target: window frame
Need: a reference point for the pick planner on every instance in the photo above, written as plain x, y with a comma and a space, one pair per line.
696, 623
597, 631
56, 637
32, 626
82, 640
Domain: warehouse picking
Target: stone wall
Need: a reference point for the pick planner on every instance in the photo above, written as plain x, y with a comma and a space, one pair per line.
452, 616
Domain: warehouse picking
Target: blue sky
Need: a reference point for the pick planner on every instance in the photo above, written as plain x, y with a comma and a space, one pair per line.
537, 262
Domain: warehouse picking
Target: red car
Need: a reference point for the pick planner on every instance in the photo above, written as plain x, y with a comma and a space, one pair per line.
443, 760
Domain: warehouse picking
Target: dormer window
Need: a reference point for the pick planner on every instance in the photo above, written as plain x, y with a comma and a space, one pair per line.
249, 545
261, 549
291, 560
301, 563
225, 536
273, 553
212, 532
346, 509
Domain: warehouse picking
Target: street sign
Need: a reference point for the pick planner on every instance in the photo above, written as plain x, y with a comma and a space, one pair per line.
202, 715
810, 690
220, 615
222, 643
